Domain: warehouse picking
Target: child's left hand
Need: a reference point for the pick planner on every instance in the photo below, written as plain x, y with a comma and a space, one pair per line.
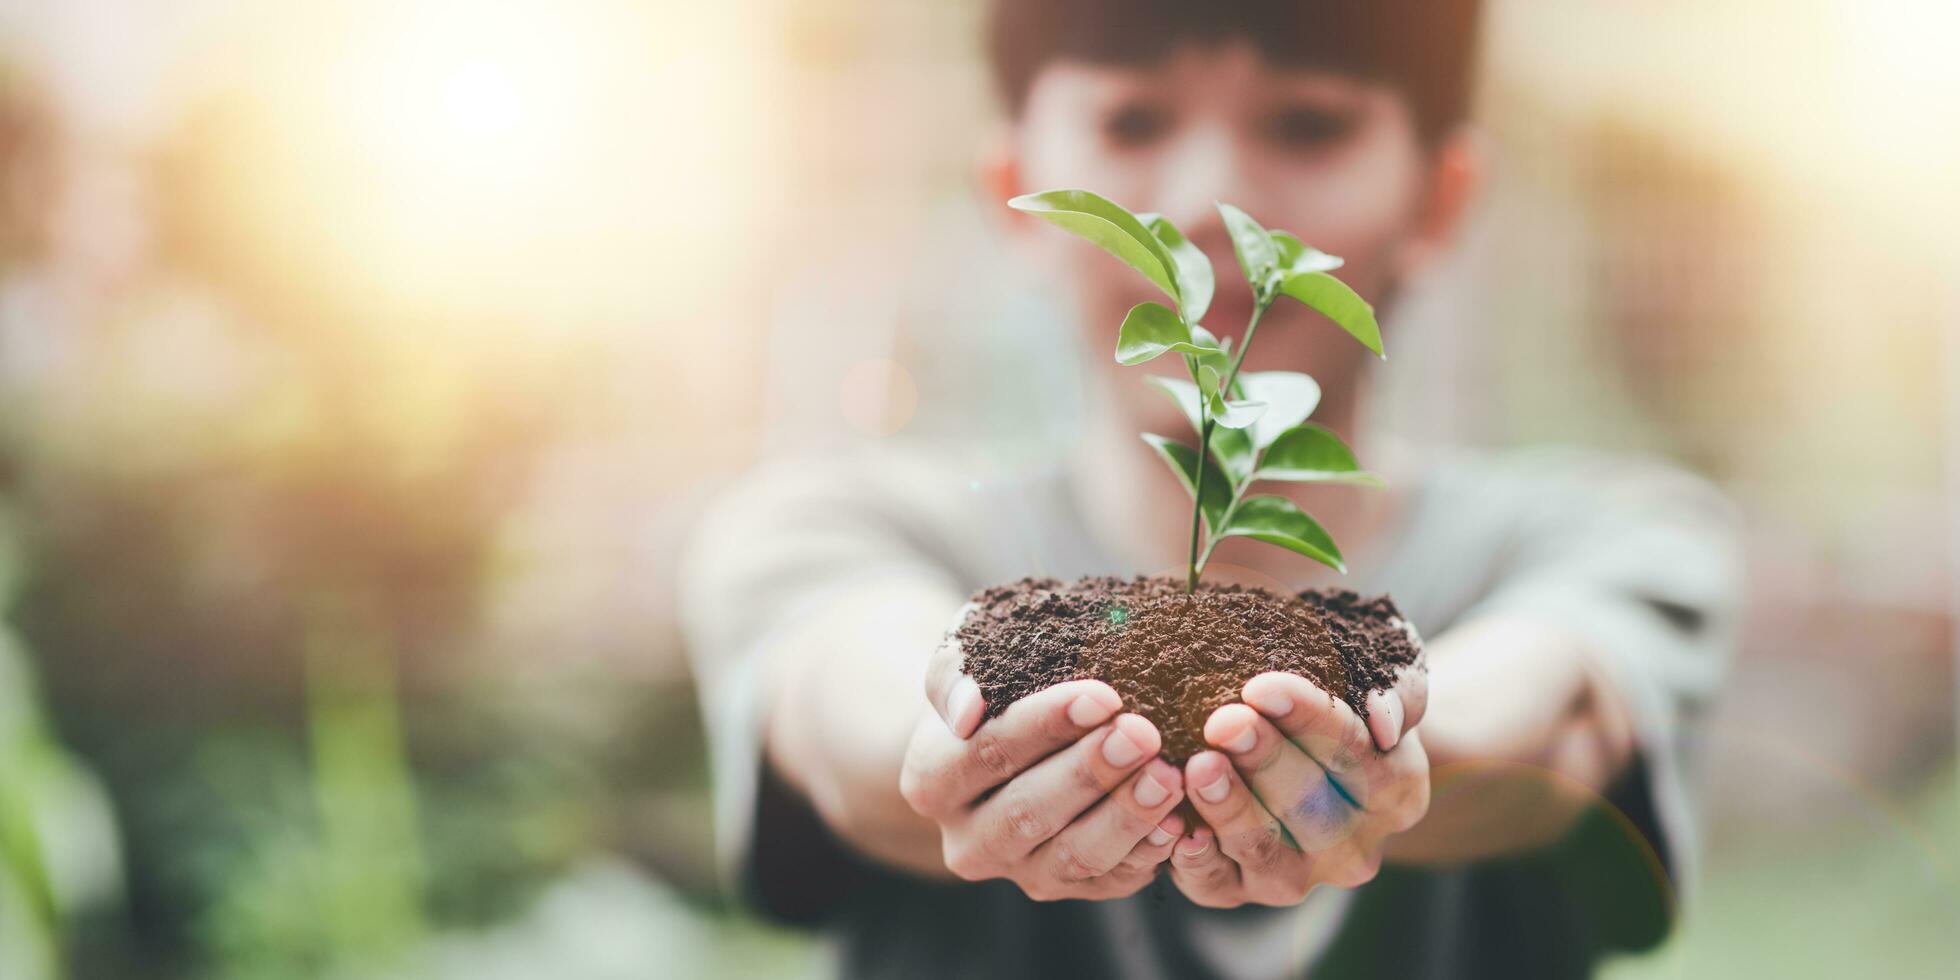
1302, 792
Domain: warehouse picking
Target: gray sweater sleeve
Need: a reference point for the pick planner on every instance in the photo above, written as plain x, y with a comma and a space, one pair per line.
1643, 563
777, 545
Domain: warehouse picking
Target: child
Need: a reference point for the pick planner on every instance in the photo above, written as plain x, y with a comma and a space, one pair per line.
1577, 607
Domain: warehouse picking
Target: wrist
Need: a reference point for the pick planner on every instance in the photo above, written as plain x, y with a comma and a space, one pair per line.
1514, 738
1499, 689
849, 777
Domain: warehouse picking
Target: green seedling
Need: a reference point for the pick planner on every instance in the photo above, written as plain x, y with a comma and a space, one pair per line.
1251, 426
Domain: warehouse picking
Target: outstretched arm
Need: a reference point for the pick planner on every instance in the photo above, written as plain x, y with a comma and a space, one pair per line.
1524, 733
841, 705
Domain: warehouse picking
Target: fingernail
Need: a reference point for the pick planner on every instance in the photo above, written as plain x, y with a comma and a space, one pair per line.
1159, 837
1385, 719
1149, 791
1273, 704
1243, 741
1119, 750
1215, 792
1087, 712
963, 707
1195, 845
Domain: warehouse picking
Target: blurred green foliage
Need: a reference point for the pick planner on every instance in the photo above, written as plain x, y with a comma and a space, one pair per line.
1875, 895
301, 791
256, 605
57, 854
350, 886
30, 919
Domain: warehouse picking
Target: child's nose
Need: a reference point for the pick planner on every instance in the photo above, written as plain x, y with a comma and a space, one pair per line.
1205, 168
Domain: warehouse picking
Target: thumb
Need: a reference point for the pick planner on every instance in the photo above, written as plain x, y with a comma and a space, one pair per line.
955, 696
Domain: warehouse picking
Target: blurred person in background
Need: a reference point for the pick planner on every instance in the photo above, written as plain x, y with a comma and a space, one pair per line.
1579, 607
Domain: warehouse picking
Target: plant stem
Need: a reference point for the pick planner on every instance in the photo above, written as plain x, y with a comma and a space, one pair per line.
1251, 327
1198, 495
1196, 562
1225, 518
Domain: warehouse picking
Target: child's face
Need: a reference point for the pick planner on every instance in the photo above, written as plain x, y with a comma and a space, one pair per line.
1334, 159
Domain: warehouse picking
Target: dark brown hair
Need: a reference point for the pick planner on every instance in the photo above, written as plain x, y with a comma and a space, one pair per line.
1425, 49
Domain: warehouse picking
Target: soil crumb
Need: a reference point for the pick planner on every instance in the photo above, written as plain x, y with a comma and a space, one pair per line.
1176, 658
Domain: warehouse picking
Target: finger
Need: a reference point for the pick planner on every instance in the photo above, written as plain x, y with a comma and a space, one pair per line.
1412, 683
1392, 712
1245, 831
1385, 718
1203, 873
1156, 847
1096, 842
1316, 810
1120, 883
1412, 680
1323, 726
1040, 802
942, 775
953, 694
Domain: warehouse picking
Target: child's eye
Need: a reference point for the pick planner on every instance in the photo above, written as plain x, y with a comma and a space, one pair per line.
1309, 127
1135, 124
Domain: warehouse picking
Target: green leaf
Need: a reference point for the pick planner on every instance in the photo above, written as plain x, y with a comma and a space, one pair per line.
1289, 396
1338, 303
1275, 520
1235, 415
1258, 256
1110, 227
1183, 461
1191, 269
1232, 448
1225, 412
1151, 330
1311, 453
1297, 256
1219, 359
1183, 392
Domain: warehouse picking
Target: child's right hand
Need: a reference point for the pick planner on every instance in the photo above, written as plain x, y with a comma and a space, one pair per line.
1059, 793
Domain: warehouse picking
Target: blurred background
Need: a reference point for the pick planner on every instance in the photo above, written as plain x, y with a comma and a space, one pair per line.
362, 364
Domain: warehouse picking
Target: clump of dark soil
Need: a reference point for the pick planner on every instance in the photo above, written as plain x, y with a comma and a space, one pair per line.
1176, 657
